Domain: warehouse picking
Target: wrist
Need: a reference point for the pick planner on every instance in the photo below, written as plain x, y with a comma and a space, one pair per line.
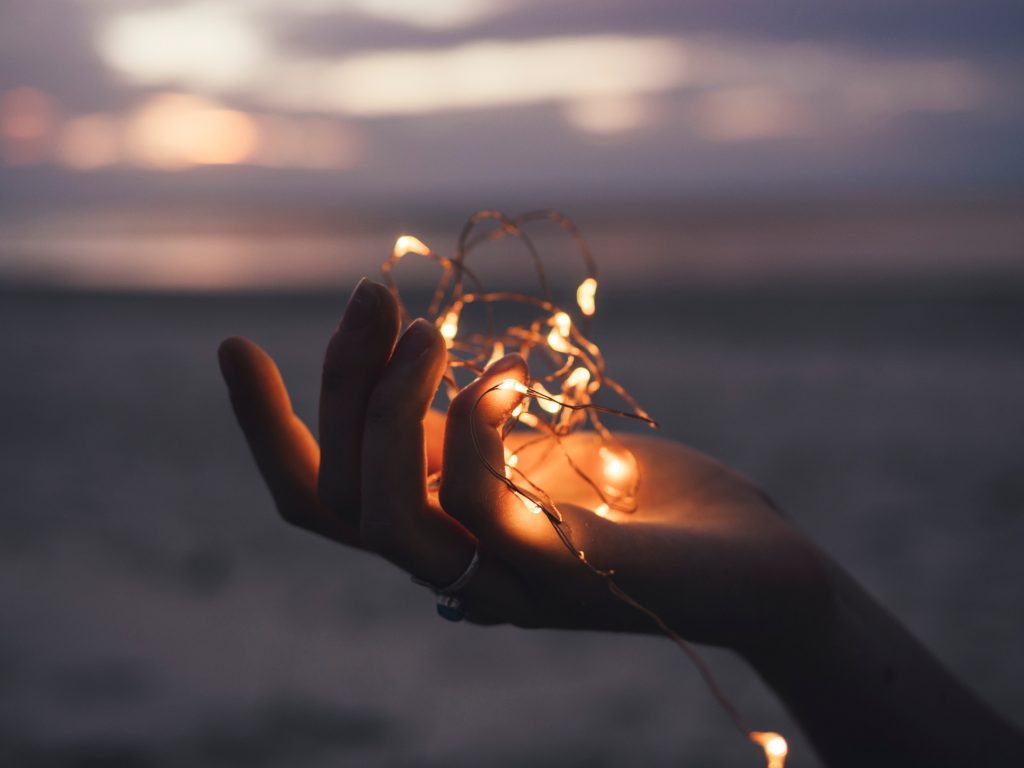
802, 625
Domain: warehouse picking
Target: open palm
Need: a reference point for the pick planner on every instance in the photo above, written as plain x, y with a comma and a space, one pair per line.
705, 549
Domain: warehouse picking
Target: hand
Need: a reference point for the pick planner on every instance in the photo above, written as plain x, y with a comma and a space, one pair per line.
706, 549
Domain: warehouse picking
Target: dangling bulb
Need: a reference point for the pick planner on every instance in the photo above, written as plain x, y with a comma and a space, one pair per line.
551, 406
585, 296
558, 339
580, 377
409, 244
775, 747
615, 467
529, 420
514, 386
450, 327
620, 477
519, 412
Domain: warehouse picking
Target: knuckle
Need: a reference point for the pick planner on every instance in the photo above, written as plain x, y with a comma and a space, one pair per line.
382, 409
333, 376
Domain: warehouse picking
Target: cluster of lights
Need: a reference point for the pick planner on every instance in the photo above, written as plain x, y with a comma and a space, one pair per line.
567, 370
572, 365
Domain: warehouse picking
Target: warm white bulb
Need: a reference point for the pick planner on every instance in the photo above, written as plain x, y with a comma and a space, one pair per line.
557, 342
614, 469
585, 296
409, 244
450, 327
513, 385
776, 747
530, 505
551, 406
578, 378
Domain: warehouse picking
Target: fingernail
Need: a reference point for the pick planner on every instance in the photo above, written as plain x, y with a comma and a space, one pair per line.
417, 339
361, 307
508, 362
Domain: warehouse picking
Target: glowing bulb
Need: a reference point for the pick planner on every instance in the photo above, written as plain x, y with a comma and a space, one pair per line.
585, 296
614, 466
551, 406
775, 747
530, 505
409, 244
528, 419
558, 338
511, 460
512, 384
450, 327
557, 342
601, 510
578, 378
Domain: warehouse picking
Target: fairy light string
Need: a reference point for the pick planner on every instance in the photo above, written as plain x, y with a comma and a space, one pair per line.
564, 395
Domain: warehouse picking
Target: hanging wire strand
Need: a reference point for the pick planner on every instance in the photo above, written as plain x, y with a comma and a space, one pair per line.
576, 372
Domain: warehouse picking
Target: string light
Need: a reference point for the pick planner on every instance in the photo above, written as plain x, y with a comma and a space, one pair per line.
585, 296
775, 747
567, 370
450, 327
409, 244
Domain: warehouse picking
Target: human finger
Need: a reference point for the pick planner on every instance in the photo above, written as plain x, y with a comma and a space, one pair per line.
355, 357
283, 448
474, 489
397, 520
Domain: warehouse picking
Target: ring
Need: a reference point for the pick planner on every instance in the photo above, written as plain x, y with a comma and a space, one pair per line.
449, 606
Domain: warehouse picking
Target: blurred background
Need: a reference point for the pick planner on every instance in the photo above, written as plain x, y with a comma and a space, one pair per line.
808, 223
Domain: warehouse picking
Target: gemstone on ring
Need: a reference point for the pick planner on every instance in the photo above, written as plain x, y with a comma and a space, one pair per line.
449, 608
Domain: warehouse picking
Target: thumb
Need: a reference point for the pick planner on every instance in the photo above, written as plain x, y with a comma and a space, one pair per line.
473, 486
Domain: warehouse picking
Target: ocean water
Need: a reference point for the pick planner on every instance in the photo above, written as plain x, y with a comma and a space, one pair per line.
157, 613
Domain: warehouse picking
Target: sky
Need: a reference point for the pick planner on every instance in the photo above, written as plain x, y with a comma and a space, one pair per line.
452, 99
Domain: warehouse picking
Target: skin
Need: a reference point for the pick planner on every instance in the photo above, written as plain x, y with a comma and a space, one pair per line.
707, 550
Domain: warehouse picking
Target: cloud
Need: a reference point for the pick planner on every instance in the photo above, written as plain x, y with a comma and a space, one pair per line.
399, 93
479, 75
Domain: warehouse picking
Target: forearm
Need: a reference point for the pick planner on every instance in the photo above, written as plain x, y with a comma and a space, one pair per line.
867, 693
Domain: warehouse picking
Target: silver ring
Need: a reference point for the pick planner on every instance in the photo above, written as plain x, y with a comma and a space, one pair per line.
449, 606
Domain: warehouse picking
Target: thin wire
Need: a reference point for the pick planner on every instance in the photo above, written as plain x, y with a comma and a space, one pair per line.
564, 532
565, 350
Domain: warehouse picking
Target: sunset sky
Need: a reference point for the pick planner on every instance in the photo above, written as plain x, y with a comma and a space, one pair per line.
459, 97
